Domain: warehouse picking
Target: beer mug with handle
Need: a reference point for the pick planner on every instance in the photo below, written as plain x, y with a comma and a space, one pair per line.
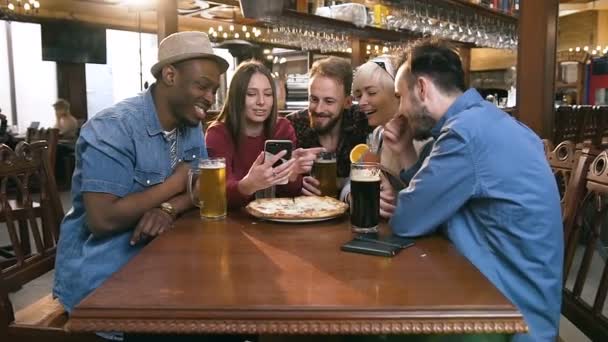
207, 187
324, 170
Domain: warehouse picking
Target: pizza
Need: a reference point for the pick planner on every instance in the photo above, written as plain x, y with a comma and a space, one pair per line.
297, 208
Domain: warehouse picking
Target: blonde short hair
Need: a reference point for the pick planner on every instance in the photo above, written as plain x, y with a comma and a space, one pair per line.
372, 72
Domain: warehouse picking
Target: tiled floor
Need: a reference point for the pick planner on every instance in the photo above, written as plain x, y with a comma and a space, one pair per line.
40, 287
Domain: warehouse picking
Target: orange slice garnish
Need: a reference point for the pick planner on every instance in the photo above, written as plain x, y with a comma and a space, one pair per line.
357, 153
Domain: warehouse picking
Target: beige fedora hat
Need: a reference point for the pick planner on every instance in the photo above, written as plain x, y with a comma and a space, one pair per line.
185, 45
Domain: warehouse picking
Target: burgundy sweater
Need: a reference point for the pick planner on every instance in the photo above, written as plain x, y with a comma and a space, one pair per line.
238, 162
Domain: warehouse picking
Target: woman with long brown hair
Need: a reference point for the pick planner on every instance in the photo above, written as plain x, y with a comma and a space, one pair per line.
249, 118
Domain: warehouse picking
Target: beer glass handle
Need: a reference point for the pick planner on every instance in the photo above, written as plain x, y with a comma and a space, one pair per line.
191, 174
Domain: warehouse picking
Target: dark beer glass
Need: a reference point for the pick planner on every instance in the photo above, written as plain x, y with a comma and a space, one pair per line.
365, 197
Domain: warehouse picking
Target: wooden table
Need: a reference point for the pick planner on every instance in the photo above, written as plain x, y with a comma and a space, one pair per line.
242, 275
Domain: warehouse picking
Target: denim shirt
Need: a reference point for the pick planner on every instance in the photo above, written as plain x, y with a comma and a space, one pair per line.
488, 187
120, 151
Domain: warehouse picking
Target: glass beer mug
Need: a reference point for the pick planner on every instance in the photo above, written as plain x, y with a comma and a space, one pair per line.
324, 170
365, 197
207, 187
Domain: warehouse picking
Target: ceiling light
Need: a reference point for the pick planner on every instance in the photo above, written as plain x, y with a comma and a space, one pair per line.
244, 28
247, 34
266, 51
236, 35
282, 60
220, 28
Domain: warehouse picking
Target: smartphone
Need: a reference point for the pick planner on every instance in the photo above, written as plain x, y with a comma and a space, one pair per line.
390, 240
272, 147
371, 248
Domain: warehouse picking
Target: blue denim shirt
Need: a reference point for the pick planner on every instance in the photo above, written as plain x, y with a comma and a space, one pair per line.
487, 185
120, 151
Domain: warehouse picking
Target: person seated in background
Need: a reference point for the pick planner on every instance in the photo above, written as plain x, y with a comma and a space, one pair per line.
65, 122
374, 90
6, 137
330, 121
3, 127
486, 185
249, 118
132, 165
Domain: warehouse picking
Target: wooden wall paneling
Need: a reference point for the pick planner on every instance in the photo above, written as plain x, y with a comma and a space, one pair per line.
465, 56
577, 29
358, 54
166, 12
72, 86
536, 64
492, 59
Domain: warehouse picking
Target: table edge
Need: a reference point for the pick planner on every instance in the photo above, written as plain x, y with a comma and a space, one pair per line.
506, 323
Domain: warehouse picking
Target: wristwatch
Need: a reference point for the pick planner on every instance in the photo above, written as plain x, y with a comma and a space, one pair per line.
169, 209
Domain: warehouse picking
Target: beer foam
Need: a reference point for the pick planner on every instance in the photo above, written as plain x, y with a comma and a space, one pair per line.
325, 161
365, 175
216, 165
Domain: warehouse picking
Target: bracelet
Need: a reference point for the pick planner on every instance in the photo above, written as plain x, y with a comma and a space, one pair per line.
169, 209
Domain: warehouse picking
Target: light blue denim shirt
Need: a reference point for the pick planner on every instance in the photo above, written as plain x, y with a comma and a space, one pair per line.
488, 187
120, 151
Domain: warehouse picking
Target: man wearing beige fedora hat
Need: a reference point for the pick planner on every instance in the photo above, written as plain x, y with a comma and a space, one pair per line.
132, 164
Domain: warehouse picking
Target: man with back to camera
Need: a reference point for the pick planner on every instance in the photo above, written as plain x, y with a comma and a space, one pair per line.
486, 185
132, 162
330, 121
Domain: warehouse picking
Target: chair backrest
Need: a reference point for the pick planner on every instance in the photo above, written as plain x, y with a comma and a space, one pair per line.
562, 161
18, 169
585, 271
51, 136
567, 124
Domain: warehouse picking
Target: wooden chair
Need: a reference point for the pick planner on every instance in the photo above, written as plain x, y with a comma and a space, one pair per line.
587, 315
567, 124
562, 161
51, 136
44, 320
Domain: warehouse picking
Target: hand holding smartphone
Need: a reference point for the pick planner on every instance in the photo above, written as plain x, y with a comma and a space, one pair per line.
272, 147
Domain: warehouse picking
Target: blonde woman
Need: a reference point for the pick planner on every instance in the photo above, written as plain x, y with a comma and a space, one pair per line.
374, 90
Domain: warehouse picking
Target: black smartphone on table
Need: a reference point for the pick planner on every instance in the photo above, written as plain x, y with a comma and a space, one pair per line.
374, 244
